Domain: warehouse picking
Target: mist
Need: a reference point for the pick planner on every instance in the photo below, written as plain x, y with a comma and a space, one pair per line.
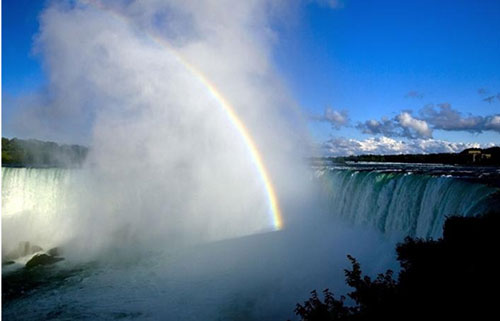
162, 148
168, 181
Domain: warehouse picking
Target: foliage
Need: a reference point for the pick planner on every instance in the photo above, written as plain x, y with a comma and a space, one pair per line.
331, 309
453, 277
36, 153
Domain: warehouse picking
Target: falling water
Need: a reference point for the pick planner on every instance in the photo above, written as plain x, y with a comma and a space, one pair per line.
411, 204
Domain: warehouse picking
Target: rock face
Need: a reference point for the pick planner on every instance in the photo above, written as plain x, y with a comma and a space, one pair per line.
42, 259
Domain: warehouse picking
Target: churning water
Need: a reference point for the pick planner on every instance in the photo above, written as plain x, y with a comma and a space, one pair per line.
257, 277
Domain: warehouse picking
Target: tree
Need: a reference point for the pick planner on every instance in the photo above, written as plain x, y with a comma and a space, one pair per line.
453, 277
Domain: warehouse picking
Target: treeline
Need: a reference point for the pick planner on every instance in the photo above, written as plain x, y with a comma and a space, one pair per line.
471, 156
453, 278
35, 153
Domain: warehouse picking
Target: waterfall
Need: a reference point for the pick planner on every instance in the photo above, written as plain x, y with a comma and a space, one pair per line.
412, 204
40, 190
34, 201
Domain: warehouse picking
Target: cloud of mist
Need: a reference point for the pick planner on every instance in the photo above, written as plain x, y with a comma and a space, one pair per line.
167, 168
166, 164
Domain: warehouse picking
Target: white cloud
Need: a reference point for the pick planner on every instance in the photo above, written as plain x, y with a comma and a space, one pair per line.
336, 118
449, 119
443, 118
385, 127
493, 123
403, 125
340, 146
413, 127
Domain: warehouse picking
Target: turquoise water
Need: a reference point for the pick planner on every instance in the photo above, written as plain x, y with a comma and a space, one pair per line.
402, 202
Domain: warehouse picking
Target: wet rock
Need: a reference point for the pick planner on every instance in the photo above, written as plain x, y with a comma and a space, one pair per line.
55, 251
8, 263
42, 259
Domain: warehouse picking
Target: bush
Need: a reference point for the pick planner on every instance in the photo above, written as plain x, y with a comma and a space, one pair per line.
453, 277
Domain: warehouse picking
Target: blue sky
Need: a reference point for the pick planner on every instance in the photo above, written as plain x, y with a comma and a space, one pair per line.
363, 60
367, 55
21, 70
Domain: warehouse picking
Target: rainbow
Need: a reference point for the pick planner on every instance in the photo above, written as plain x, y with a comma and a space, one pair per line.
274, 209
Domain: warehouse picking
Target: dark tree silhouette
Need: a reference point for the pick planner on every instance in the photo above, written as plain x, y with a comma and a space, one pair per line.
453, 277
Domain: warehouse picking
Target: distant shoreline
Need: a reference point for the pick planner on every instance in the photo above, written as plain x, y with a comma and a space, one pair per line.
35, 153
470, 157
